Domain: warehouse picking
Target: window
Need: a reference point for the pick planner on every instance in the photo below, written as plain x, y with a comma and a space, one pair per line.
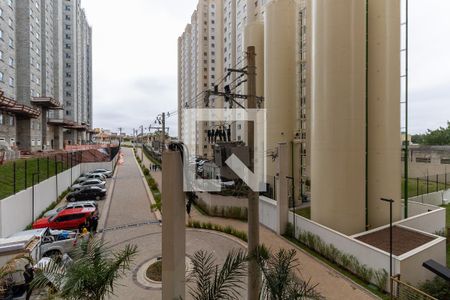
1, 55
11, 123
11, 81
1, 119
445, 161
10, 22
11, 42
1, 34
1, 12
11, 62
10, 3
423, 159
1, 76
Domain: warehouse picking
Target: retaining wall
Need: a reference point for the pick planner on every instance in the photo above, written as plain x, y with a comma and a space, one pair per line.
16, 210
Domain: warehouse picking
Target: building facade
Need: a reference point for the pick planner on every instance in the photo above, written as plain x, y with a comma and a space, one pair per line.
35, 95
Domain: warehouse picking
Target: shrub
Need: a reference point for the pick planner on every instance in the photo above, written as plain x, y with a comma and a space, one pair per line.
381, 278
146, 172
437, 288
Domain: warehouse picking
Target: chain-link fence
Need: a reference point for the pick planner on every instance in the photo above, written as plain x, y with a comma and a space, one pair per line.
404, 291
427, 184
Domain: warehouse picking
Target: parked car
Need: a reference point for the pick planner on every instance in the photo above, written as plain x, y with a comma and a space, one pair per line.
107, 173
88, 193
87, 176
74, 218
51, 242
89, 182
80, 204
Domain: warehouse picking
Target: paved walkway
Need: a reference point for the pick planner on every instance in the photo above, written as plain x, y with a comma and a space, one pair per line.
332, 284
130, 204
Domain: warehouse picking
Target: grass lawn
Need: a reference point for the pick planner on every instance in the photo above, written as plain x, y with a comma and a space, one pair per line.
41, 166
416, 188
304, 212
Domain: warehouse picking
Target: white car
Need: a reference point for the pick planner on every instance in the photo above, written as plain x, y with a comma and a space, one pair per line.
90, 182
81, 204
107, 173
91, 176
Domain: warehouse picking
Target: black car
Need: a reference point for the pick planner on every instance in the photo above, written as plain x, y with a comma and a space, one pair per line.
88, 193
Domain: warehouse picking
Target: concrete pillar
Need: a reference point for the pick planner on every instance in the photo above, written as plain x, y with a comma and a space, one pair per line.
44, 127
283, 171
384, 170
280, 84
174, 228
338, 114
23, 134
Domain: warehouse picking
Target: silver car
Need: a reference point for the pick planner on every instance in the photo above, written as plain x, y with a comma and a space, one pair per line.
81, 204
90, 182
105, 172
91, 176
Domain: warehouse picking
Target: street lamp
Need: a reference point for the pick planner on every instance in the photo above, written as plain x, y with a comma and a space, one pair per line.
32, 195
56, 174
390, 239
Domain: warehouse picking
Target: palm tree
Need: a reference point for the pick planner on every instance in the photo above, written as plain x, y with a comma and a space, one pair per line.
211, 282
91, 273
279, 279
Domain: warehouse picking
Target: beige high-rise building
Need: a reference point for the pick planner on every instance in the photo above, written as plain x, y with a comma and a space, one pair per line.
343, 144
200, 67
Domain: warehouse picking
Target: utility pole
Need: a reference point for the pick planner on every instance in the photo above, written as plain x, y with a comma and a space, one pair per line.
120, 135
254, 275
163, 136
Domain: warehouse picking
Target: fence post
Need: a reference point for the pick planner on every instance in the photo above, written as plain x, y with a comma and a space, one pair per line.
437, 182
417, 186
428, 181
48, 167
26, 173
14, 176
38, 170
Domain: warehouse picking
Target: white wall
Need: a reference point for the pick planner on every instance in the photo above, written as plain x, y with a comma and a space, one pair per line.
15, 211
366, 254
422, 219
435, 198
268, 213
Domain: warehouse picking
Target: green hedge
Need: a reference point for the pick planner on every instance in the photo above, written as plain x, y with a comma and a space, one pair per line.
227, 229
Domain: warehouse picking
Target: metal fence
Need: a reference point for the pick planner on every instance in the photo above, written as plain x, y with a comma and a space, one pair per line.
404, 291
428, 184
20, 174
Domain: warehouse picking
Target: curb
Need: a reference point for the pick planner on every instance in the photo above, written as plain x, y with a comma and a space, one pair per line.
157, 213
107, 206
223, 234
331, 269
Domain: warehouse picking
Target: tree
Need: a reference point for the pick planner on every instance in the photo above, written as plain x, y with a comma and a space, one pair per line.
440, 136
279, 279
208, 281
91, 273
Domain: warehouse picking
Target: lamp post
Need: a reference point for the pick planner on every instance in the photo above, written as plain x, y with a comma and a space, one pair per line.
32, 195
56, 174
390, 239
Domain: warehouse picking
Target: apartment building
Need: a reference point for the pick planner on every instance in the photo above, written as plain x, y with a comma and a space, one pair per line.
77, 70
200, 68
32, 86
7, 71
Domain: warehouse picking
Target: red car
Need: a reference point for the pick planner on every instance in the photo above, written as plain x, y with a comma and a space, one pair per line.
66, 219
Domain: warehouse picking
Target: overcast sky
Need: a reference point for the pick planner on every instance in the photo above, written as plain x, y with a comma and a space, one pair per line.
135, 61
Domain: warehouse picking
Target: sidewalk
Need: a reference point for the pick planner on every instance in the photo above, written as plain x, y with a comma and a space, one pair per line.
332, 284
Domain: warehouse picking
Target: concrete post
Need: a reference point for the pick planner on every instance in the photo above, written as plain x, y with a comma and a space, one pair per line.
283, 164
173, 229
